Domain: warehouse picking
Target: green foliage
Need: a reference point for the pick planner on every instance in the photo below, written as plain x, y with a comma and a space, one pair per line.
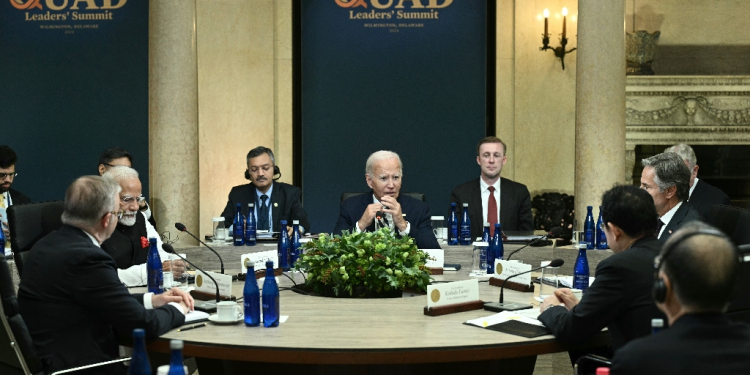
378, 261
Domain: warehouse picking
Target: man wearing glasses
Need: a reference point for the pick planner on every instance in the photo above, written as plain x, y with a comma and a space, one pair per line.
273, 201
129, 245
8, 196
118, 156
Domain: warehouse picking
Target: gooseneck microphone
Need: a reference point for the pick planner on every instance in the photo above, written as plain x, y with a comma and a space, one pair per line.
497, 307
181, 228
206, 306
555, 232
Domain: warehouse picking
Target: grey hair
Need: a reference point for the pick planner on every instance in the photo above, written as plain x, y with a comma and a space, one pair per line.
686, 153
258, 151
120, 173
379, 156
88, 199
670, 170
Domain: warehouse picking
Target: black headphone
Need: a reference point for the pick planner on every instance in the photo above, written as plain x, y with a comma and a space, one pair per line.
659, 290
276, 171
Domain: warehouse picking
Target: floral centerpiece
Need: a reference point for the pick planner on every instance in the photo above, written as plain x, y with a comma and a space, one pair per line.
364, 264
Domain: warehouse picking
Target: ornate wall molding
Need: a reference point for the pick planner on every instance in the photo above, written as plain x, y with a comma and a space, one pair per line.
697, 110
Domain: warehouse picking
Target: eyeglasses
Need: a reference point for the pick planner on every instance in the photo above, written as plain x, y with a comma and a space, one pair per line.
11, 175
128, 199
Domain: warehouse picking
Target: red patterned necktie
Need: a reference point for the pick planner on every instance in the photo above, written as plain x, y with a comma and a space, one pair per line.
492, 211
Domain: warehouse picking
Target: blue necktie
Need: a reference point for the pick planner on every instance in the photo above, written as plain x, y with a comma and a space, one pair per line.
263, 214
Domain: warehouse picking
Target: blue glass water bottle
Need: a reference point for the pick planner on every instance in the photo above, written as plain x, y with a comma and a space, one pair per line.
497, 239
154, 271
2, 238
486, 233
176, 364
250, 226
601, 237
238, 226
139, 364
589, 228
581, 269
453, 226
284, 247
296, 246
251, 297
270, 298
465, 237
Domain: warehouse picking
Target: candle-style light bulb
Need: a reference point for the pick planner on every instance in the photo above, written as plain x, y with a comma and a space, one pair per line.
546, 16
564, 13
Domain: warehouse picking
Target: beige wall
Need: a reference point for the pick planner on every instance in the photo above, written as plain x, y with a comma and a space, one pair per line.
539, 94
244, 92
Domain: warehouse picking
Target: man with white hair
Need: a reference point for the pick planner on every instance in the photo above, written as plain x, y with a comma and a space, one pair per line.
702, 195
70, 295
129, 245
403, 214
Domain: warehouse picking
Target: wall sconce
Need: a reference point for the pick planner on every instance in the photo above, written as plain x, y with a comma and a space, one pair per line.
559, 51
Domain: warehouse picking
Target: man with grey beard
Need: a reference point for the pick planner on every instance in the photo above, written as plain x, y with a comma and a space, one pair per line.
129, 243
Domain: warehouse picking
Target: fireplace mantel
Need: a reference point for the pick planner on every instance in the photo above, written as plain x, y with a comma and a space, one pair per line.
697, 110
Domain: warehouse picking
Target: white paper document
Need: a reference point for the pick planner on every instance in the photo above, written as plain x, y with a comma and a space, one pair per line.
528, 316
195, 315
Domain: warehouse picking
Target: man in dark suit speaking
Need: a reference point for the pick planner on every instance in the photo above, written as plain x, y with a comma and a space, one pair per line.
70, 295
695, 277
383, 173
512, 210
666, 177
702, 195
274, 201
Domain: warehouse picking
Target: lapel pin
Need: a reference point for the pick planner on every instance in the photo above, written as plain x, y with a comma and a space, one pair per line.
277, 205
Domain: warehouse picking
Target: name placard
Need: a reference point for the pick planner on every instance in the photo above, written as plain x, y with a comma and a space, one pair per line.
260, 258
504, 269
436, 258
452, 293
204, 284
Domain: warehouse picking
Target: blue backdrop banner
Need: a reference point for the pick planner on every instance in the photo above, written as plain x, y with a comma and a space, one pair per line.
405, 76
73, 82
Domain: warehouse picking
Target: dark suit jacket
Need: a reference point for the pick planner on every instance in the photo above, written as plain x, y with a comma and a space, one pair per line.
285, 204
73, 302
417, 214
515, 206
685, 214
704, 196
619, 299
18, 197
695, 344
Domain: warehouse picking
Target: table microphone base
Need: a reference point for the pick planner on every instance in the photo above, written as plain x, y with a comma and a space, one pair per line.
498, 307
205, 306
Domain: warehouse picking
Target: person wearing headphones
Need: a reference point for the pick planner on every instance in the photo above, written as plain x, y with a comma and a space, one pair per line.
695, 275
620, 296
273, 201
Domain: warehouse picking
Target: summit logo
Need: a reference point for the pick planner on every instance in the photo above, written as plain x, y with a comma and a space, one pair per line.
383, 4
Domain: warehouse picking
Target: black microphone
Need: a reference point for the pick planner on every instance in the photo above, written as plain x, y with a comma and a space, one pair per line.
206, 306
498, 307
181, 228
555, 232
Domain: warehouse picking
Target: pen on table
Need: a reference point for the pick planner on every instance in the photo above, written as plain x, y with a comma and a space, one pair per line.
192, 327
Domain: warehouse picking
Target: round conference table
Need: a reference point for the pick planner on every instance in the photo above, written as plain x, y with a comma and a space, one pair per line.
342, 335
